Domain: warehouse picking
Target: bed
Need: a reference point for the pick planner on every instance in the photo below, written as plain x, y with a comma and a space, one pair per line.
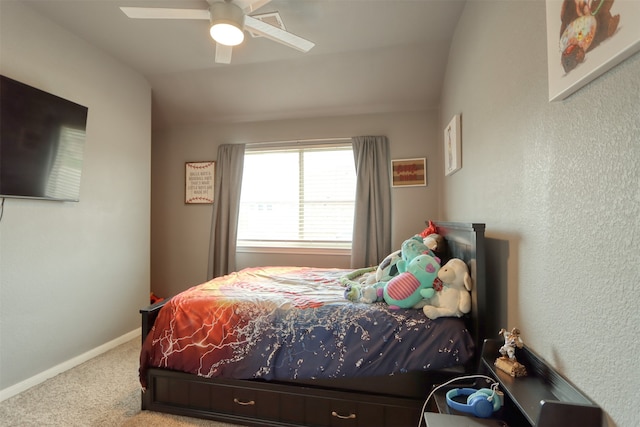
306, 356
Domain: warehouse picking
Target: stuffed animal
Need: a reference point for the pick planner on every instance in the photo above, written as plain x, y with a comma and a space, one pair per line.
372, 290
410, 248
414, 281
453, 299
388, 268
360, 286
431, 229
365, 293
436, 242
439, 246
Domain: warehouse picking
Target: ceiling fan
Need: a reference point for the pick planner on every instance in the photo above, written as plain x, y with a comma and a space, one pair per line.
227, 21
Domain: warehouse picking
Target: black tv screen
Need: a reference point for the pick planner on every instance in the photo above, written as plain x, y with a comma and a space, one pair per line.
41, 143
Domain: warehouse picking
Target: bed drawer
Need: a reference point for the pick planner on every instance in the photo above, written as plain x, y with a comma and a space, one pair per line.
359, 411
318, 408
330, 412
269, 405
265, 404
170, 393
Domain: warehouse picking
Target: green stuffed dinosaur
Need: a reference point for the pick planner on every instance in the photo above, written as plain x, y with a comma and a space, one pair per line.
414, 283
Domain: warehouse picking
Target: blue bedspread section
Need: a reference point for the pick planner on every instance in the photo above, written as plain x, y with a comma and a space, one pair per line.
354, 340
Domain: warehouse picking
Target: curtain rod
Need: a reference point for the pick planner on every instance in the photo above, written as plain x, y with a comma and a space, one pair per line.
297, 141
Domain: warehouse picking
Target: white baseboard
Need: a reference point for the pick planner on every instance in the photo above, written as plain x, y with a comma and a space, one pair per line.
65, 366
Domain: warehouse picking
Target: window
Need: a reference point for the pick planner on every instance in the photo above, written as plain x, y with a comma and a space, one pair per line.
298, 197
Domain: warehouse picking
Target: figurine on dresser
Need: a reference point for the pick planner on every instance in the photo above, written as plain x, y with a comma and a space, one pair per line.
507, 362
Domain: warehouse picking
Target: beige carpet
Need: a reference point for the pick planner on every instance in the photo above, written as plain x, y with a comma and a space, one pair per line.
101, 392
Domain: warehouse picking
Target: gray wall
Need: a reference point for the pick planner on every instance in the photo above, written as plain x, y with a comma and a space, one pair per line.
180, 233
558, 185
73, 275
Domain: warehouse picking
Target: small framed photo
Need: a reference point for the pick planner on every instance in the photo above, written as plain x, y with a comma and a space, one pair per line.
198, 187
409, 172
452, 146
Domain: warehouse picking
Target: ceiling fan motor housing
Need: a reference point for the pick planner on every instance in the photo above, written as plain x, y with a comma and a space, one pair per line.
227, 23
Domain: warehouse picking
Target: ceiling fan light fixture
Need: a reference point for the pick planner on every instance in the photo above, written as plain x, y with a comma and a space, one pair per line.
227, 23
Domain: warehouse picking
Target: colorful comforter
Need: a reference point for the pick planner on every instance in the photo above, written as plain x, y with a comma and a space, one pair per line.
279, 323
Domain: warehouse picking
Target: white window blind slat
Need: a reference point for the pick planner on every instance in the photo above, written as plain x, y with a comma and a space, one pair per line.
298, 196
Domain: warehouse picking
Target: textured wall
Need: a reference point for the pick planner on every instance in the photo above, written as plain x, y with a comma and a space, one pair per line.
558, 184
180, 239
74, 275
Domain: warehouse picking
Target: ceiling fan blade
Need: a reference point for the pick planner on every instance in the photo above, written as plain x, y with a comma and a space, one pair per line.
164, 13
278, 35
249, 6
223, 54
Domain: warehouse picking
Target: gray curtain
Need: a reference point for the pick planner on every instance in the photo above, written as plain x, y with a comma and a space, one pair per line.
372, 219
226, 206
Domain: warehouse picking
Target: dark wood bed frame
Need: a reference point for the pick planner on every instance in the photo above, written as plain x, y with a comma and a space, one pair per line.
375, 401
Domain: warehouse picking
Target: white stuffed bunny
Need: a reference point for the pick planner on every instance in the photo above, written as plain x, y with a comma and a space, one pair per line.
454, 298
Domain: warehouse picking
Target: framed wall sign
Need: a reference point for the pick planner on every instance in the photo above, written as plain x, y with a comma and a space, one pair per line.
198, 186
409, 172
452, 146
585, 39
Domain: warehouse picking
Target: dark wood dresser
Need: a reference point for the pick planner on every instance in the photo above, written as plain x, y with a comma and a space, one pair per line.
543, 398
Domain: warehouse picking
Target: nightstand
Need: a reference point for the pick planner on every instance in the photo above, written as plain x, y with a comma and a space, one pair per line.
444, 416
543, 398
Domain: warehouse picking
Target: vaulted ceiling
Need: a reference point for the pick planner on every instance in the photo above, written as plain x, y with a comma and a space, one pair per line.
370, 56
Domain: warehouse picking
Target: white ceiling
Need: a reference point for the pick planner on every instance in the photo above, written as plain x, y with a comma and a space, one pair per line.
370, 56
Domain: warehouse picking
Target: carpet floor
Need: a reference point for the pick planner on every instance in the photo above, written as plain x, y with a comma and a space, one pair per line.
103, 391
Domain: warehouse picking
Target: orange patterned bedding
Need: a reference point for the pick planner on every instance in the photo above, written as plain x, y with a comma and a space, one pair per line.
294, 322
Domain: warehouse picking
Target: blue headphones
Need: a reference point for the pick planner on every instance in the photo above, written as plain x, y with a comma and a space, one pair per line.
481, 403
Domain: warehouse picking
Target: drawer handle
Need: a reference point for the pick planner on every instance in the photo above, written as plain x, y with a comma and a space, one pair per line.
239, 402
343, 417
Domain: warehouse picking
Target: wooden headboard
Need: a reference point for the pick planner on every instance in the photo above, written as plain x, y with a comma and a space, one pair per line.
466, 241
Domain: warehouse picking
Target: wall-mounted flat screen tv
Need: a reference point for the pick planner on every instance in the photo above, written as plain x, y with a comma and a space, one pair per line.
42, 140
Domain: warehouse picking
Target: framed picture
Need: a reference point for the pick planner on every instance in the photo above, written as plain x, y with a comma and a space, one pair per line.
409, 172
198, 187
452, 146
586, 38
